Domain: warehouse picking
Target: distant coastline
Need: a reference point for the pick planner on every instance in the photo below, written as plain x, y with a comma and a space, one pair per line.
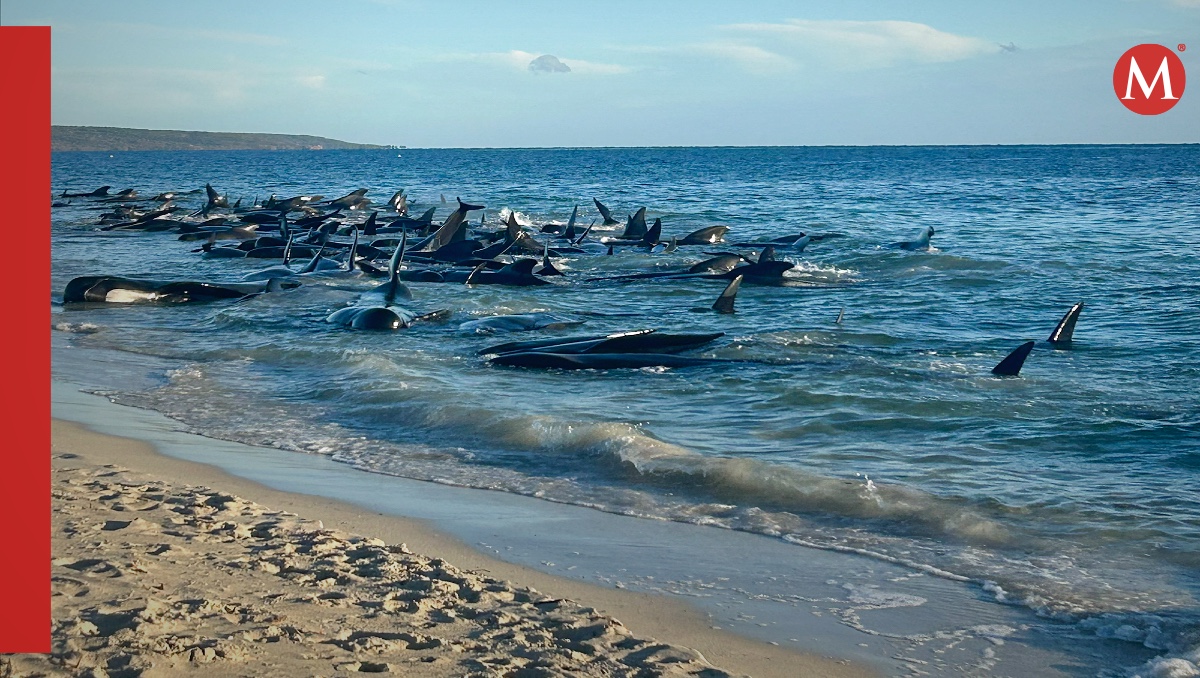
71, 138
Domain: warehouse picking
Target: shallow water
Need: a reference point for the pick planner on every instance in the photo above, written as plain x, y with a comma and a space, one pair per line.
1072, 489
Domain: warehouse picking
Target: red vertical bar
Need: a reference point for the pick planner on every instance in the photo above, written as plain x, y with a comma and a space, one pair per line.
25, 391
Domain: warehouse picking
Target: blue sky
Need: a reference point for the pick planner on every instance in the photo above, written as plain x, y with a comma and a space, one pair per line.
636, 73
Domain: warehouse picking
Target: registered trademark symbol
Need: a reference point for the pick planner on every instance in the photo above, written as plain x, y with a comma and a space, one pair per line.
1182, 47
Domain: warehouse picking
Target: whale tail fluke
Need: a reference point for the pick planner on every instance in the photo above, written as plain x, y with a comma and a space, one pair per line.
547, 265
468, 207
474, 272
608, 219
1061, 336
1011, 365
584, 234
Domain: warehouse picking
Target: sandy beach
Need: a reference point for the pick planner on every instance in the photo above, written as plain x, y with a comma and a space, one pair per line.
167, 567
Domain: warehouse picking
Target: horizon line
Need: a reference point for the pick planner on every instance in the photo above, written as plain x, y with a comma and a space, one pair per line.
396, 147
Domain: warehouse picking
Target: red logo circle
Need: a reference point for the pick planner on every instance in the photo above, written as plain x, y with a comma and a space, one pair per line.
1149, 79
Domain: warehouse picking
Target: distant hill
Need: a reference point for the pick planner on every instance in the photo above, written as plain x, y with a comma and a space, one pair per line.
64, 138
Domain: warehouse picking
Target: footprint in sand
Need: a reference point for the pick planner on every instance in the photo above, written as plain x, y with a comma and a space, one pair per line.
88, 565
365, 667
135, 525
142, 505
71, 588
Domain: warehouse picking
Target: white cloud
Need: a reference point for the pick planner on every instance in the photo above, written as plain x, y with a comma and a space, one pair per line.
146, 31
515, 59
519, 60
592, 67
861, 44
311, 81
751, 57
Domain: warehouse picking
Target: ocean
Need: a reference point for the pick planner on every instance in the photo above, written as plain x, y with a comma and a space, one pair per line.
1072, 490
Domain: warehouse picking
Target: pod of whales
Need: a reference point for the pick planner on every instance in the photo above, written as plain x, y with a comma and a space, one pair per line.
455, 251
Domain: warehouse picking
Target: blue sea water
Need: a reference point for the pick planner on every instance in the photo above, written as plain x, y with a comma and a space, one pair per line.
1073, 489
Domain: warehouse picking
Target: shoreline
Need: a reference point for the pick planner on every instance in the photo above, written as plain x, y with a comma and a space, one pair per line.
850, 611
650, 615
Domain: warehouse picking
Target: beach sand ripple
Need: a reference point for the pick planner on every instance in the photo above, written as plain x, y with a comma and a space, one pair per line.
154, 579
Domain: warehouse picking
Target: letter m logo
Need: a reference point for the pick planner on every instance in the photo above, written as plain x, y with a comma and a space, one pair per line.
1160, 92
1163, 73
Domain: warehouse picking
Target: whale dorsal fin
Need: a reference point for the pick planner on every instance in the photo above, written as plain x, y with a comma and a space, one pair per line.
1011, 365
512, 231
393, 287
316, 260
724, 303
369, 229
652, 236
353, 251
569, 233
397, 257
636, 226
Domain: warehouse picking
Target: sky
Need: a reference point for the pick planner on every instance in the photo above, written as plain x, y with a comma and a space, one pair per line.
617, 73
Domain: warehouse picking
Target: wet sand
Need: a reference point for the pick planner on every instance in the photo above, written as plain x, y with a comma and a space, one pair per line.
164, 566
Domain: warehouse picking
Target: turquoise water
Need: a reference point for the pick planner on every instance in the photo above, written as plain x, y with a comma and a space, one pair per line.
1071, 490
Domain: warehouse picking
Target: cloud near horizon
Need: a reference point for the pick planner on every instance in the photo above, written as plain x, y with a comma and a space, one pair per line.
521, 60
850, 45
